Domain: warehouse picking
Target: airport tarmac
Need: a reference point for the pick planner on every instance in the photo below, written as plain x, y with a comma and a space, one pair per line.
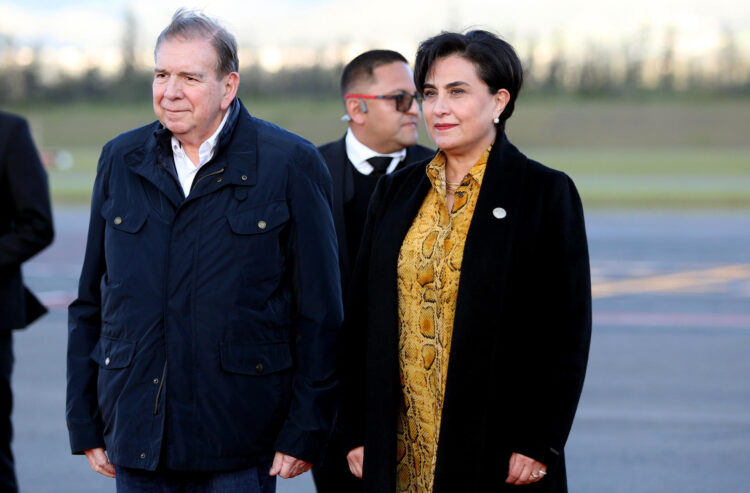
665, 407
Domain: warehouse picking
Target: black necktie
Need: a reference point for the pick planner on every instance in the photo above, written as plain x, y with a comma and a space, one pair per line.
379, 164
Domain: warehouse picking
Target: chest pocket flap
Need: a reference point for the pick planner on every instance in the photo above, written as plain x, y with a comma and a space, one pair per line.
259, 219
113, 354
252, 359
123, 217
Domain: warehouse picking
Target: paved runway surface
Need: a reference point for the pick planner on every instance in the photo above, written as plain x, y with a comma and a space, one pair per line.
665, 408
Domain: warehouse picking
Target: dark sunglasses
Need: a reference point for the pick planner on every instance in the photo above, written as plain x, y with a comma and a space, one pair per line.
403, 100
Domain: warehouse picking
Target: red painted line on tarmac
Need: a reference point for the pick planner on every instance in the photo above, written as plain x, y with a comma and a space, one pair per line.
674, 319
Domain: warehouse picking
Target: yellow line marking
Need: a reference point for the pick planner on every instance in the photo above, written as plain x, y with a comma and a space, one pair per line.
677, 282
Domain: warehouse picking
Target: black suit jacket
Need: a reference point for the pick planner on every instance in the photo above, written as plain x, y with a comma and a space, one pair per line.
342, 172
520, 335
25, 219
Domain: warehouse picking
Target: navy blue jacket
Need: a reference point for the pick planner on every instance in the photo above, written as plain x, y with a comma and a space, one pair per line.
204, 328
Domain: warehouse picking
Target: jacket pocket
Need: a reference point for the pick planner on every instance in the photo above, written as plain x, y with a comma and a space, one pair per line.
122, 218
113, 354
260, 219
122, 237
258, 239
255, 360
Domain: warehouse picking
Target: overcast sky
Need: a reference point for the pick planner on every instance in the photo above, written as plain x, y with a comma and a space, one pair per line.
86, 32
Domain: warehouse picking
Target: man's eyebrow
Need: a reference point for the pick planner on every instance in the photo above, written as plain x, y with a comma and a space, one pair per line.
196, 75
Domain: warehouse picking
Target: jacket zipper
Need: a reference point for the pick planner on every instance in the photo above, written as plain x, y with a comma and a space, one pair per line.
218, 171
161, 386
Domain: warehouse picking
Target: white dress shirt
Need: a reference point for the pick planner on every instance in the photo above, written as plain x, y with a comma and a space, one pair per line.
358, 154
186, 169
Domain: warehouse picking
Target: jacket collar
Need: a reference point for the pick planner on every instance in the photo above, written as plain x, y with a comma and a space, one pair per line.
235, 159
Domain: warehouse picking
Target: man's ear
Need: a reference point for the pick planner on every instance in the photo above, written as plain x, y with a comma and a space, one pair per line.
231, 83
356, 109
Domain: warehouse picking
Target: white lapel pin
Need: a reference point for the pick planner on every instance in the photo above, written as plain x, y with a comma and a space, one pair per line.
499, 212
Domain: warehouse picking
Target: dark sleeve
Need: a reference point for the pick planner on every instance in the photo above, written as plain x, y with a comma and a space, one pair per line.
353, 340
317, 298
29, 199
560, 333
85, 426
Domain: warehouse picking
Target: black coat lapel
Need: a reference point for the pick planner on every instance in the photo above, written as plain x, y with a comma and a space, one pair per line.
488, 242
481, 290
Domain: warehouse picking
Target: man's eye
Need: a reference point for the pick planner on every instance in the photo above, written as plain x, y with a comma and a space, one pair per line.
456, 90
428, 94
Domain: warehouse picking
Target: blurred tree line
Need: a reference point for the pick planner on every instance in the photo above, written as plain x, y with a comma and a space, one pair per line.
627, 71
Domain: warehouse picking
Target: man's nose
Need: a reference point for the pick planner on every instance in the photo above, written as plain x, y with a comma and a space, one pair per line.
173, 89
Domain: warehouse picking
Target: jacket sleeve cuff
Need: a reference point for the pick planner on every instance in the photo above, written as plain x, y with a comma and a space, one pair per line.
301, 444
85, 438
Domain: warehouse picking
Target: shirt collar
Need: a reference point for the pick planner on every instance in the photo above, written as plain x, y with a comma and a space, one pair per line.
207, 148
358, 154
436, 171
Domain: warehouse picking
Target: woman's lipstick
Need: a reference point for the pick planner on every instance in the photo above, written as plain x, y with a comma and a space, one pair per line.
445, 126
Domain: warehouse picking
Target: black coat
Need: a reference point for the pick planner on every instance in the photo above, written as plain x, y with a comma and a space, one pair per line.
342, 173
207, 322
520, 337
25, 220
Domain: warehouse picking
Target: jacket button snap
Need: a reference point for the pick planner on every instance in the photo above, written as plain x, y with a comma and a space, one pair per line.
156, 380
244, 177
262, 224
118, 220
143, 455
107, 361
259, 367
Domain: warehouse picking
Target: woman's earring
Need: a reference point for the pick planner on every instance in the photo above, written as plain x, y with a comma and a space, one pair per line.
496, 120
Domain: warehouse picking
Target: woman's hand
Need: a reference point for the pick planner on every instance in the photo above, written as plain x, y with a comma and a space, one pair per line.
99, 462
355, 458
523, 470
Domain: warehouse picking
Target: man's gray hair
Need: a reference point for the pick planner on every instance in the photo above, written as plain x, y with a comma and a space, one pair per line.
191, 24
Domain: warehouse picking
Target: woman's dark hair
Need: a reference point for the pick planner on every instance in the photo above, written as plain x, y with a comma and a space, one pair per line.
495, 60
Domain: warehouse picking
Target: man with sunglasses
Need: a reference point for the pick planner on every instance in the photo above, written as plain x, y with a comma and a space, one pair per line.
379, 96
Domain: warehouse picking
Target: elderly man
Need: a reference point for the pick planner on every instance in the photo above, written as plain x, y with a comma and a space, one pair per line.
201, 345
25, 229
378, 91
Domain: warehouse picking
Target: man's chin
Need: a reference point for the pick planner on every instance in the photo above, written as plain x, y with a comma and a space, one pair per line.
175, 127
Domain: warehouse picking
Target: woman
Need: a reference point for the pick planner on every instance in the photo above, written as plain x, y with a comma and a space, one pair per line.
471, 298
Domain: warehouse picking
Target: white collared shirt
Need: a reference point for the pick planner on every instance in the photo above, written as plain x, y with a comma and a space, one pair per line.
186, 169
358, 154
